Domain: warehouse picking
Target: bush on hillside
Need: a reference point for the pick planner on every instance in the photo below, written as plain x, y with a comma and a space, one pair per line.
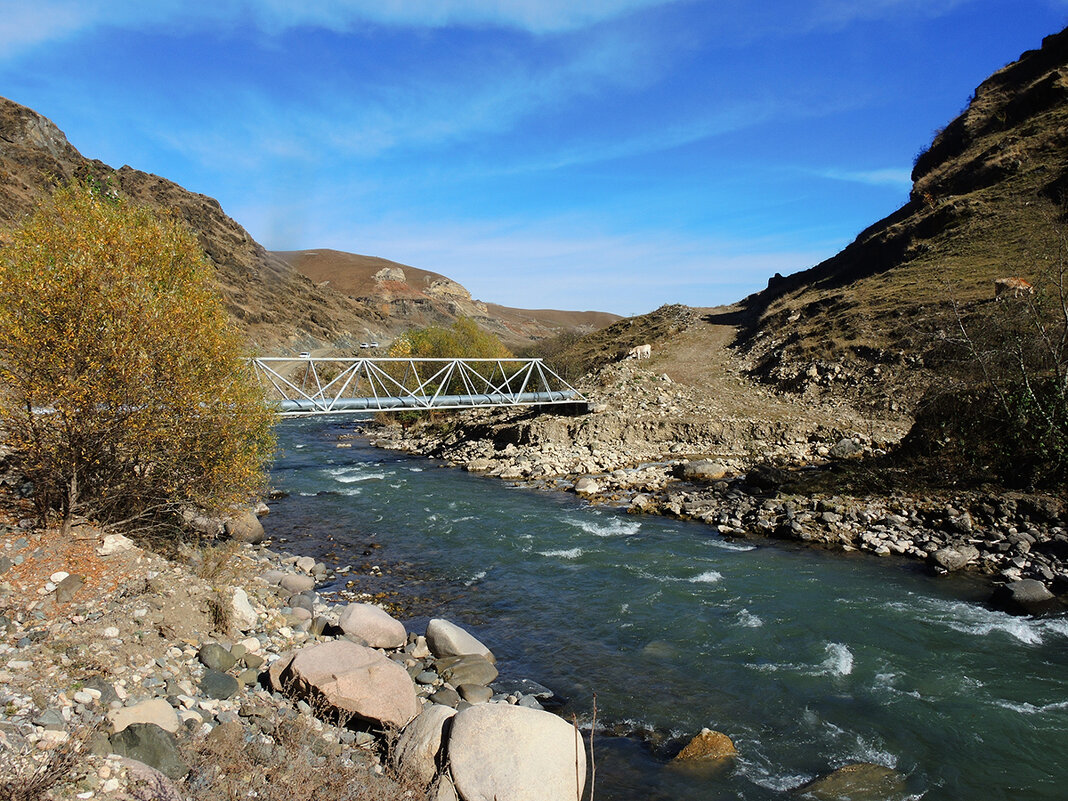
1001, 414
463, 340
123, 385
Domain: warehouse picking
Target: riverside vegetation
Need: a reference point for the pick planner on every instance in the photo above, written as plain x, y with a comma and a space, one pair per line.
201, 673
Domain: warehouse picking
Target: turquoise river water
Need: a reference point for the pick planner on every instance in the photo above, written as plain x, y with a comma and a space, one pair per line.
807, 659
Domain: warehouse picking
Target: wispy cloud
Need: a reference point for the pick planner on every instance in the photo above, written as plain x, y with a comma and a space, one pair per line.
49, 20
841, 13
890, 176
575, 264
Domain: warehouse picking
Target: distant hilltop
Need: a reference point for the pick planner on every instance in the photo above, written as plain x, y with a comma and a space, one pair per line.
321, 300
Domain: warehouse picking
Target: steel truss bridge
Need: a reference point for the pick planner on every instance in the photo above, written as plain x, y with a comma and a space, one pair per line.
304, 385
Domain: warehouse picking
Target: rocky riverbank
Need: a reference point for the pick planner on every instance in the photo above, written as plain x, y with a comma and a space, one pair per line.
223, 670
657, 447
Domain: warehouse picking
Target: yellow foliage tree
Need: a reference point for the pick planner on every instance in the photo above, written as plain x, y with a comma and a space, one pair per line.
123, 385
463, 340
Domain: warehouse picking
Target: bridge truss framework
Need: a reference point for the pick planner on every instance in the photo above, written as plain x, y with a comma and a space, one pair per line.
302, 386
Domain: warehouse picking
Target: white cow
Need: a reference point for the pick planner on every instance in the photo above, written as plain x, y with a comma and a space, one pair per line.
640, 352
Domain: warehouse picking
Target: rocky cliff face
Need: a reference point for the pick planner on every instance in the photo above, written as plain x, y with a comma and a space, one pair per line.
988, 201
281, 306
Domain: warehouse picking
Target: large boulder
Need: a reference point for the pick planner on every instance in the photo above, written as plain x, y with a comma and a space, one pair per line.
373, 625
354, 679
245, 527
448, 639
419, 746
1024, 597
862, 781
499, 751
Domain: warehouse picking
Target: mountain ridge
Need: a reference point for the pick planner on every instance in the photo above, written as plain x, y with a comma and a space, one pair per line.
279, 308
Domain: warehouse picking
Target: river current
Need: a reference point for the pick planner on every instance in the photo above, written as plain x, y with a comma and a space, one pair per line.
807, 659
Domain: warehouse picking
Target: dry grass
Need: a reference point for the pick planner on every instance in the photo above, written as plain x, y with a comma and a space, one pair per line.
24, 778
294, 763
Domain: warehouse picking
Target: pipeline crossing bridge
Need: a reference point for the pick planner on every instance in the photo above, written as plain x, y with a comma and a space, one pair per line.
304, 385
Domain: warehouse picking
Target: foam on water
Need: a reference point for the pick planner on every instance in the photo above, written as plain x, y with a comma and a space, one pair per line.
613, 527
570, 553
477, 577
863, 751
351, 475
1030, 709
708, 577
980, 621
727, 545
839, 661
748, 620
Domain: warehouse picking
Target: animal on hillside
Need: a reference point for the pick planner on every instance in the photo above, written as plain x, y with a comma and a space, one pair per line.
640, 352
1017, 286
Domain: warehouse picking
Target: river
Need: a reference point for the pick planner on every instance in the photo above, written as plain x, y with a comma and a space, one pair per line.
807, 659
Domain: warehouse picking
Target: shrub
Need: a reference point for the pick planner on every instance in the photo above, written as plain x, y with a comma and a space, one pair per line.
123, 384
463, 340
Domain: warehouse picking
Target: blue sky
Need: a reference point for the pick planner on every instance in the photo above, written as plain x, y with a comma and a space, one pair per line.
604, 154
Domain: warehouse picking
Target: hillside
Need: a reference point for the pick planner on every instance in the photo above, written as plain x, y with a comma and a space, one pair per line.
988, 201
405, 297
285, 302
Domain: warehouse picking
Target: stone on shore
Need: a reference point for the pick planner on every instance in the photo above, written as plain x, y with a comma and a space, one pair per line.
214, 656
707, 745
1024, 597
704, 470
114, 543
355, 679
447, 639
954, 557
372, 624
420, 743
587, 486
466, 669
155, 711
859, 782
296, 583
148, 743
499, 751
244, 616
245, 527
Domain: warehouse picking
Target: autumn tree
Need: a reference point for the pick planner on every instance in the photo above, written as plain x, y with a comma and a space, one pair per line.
463, 339
123, 385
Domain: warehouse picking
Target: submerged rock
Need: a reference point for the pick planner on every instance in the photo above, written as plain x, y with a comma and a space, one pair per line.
862, 781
